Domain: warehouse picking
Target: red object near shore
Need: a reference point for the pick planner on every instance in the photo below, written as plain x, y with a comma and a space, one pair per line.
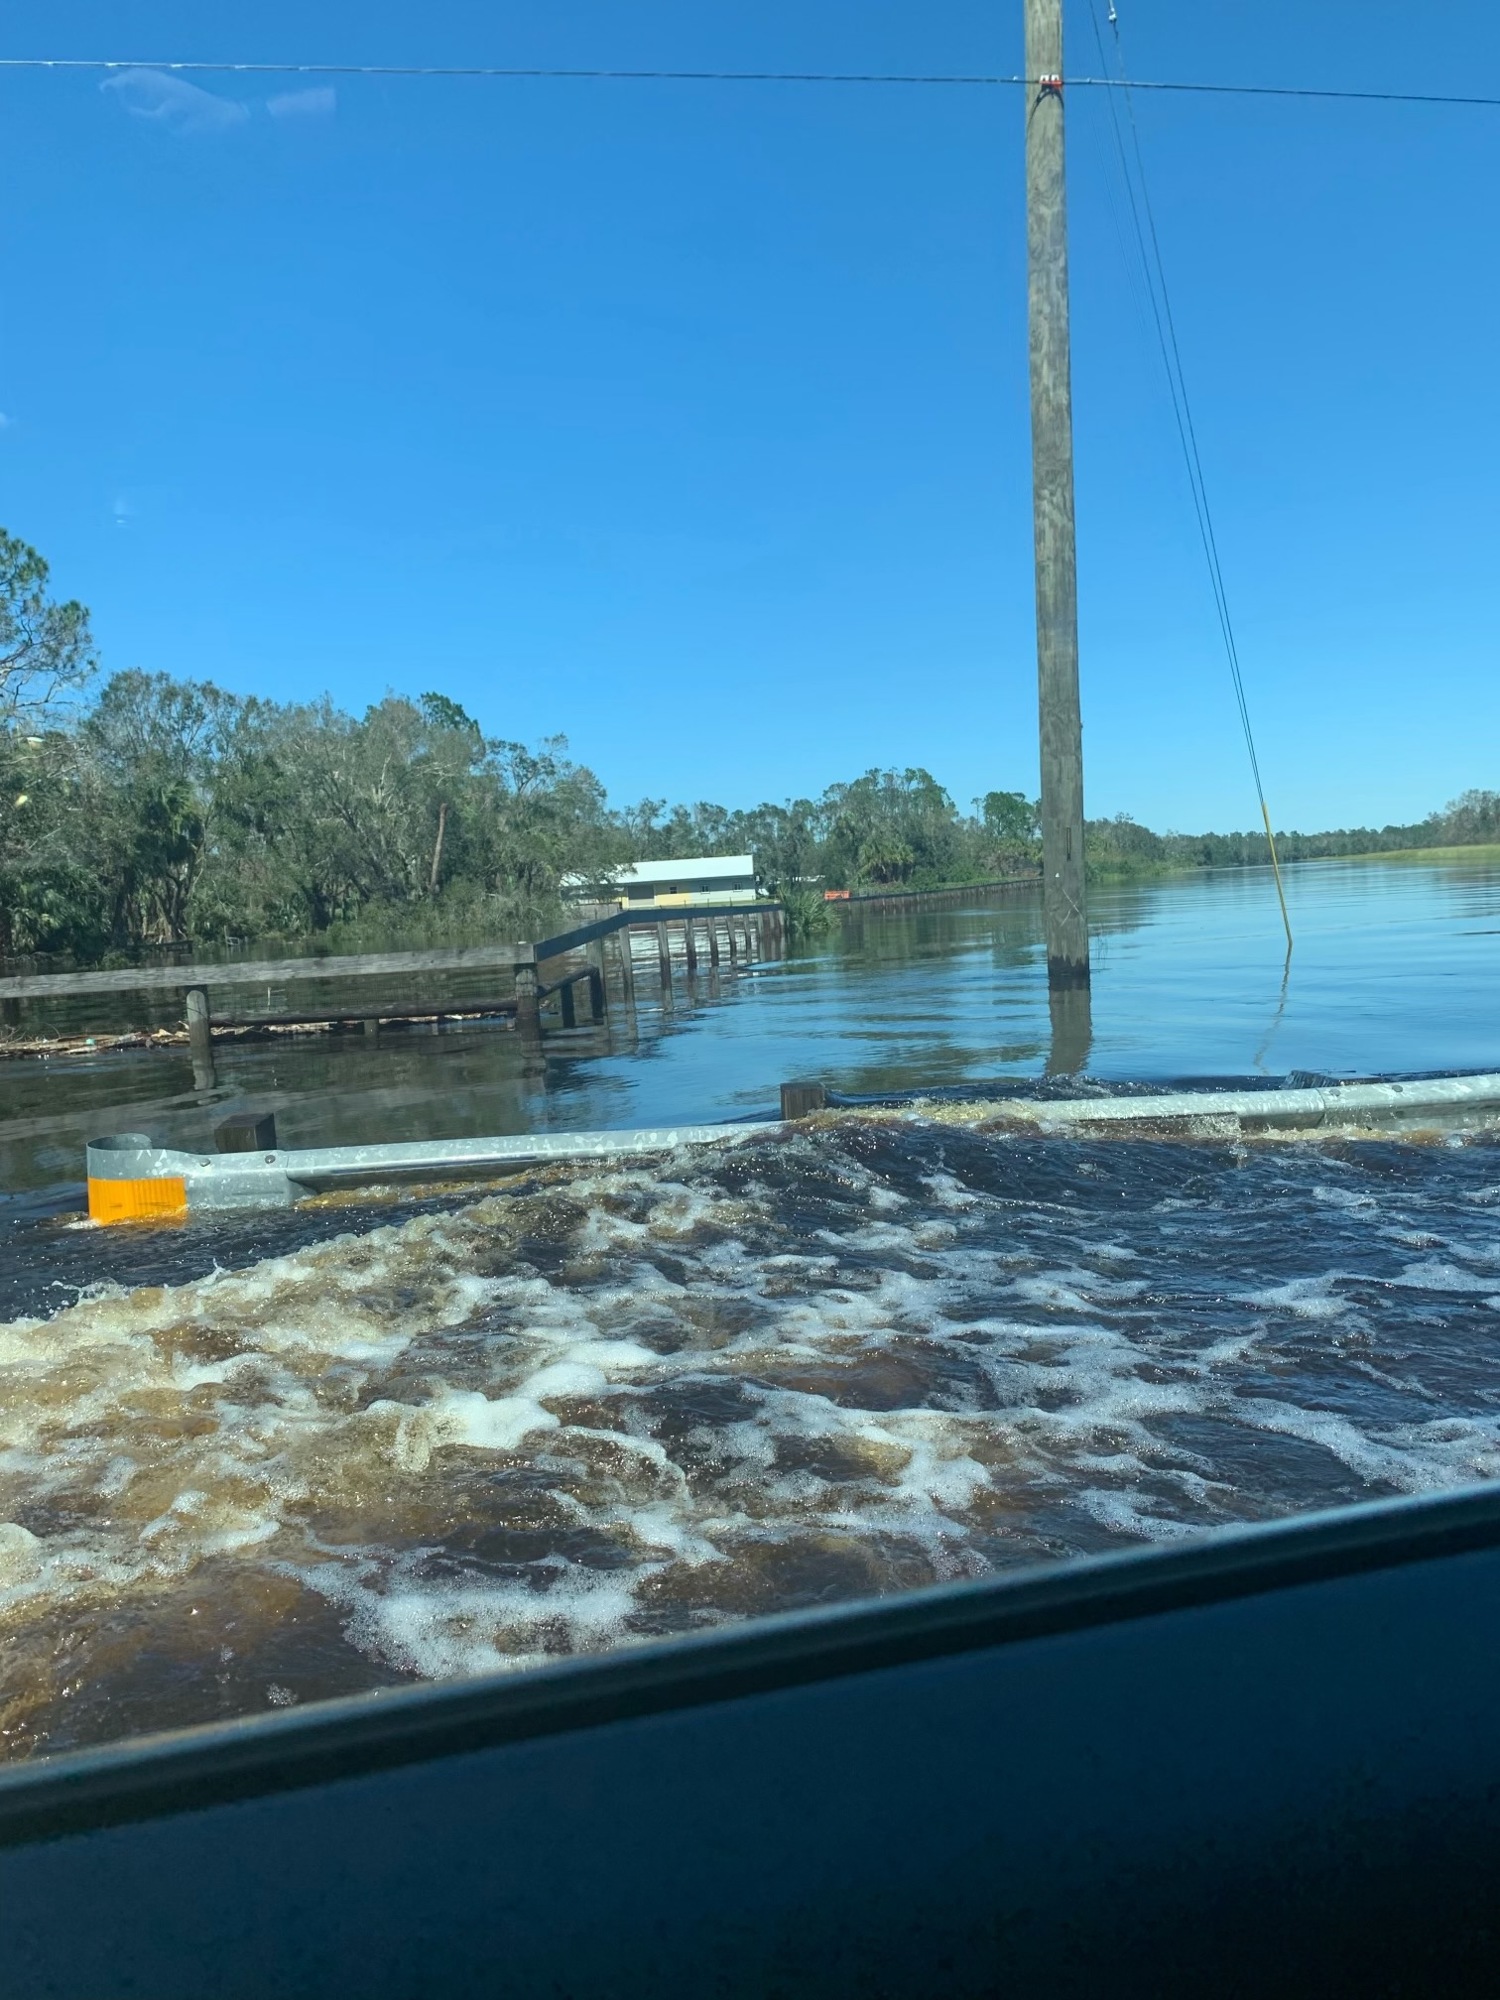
835, 895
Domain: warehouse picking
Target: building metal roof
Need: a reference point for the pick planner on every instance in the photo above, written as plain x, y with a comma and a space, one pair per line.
688, 868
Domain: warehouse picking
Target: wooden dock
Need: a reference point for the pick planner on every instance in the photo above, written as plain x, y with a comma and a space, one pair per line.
530, 975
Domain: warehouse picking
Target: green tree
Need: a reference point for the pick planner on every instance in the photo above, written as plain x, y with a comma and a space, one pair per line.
46, 650
1010, 818
149, 751
884, 857
46, 659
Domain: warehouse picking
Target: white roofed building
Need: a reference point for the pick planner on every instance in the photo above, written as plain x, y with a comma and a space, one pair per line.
703, 878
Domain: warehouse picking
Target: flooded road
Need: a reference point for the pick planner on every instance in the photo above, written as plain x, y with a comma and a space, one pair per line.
260, 1461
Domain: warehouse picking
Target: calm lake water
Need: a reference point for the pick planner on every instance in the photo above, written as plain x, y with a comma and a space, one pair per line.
257, 1461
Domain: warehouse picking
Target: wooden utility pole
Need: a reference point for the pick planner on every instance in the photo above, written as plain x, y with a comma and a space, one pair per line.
1052, 501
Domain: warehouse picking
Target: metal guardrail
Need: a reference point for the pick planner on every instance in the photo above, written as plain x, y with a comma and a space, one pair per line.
1270, 1109
131, 1179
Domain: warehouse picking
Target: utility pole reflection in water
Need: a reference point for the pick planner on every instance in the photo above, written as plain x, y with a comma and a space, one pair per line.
1072, 1030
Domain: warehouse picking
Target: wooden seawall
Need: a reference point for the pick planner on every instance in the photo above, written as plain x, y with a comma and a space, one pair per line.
875, 900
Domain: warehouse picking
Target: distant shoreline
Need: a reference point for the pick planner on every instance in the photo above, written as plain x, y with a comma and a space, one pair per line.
1125, 868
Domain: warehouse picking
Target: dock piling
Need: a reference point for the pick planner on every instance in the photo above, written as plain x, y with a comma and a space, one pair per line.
664, 963
626, 951
528, 1007
199, 1018
598, 985
200, 1027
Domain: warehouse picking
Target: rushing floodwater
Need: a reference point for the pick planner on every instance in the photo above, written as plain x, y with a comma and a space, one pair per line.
260, 1461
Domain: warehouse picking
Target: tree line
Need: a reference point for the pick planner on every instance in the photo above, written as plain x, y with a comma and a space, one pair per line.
143, 811
1120, 845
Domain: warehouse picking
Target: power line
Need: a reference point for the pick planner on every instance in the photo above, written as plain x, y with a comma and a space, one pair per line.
1182, 411
955, 80
1126, 85
487, 71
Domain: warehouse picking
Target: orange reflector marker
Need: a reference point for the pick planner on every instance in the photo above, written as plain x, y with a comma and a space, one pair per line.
136, 1201
126, 1184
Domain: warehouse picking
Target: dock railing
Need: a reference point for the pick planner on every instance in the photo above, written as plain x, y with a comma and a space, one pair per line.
723, 933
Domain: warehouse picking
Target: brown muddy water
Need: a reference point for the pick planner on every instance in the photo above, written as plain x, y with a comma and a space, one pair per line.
254, 1462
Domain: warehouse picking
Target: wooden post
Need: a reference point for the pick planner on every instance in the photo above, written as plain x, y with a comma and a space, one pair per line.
566, 1003
690, 946
200, 1027
664, 963
729, 935
1061, 732
598, 988
247, 1132
201, 1021
627, 968
528, 1008
798, 1099
713, 944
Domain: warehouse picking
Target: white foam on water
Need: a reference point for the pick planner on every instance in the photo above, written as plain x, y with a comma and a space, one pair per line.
948, 1191
460, 1417
1412, 1458
1305, 1298
1436, 1274
447, 1632
1076, 1291
1353, 1201
1125, 1516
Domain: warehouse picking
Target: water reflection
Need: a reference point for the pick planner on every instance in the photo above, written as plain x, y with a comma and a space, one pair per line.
1071, 1009
1263, 1052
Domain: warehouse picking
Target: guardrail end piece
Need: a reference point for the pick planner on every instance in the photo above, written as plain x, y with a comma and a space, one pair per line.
126, 1184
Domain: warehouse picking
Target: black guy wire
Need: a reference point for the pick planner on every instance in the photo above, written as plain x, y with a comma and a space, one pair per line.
1182, 410
959, 80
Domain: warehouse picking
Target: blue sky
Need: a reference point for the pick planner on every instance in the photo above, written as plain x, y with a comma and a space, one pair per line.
690, 421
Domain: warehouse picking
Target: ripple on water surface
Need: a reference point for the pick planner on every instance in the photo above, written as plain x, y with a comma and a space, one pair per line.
607, 1405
